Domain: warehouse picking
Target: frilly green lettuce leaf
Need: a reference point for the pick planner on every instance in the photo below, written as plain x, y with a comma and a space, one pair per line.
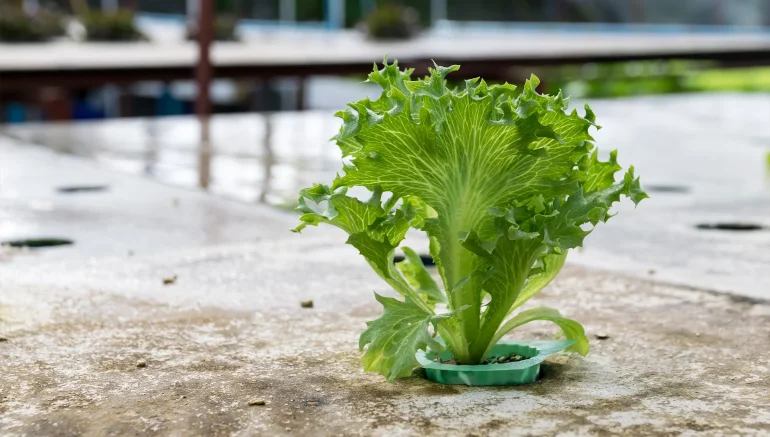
571, 329
551, 266
504, 182
419, 278
395, 337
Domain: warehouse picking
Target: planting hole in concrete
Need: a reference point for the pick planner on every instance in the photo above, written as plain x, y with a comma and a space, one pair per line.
727, 226
38, 242
426, 259
674, 189
82, 189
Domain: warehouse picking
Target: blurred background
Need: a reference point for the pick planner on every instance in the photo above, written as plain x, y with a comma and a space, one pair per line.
64, 29
119, 81
236, 97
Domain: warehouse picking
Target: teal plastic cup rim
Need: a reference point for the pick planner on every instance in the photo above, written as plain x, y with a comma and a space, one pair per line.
510, 373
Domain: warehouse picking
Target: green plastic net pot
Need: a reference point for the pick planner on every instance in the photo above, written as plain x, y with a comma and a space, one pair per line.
511, 373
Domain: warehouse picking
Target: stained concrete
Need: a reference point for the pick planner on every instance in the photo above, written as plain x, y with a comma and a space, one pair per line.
78, 320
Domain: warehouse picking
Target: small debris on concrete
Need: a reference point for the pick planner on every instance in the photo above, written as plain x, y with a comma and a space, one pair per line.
3, 339
130, 253
602, 336
651, 272
82, 188
175, 202
169, 281
306, 303
257, 402
141, 363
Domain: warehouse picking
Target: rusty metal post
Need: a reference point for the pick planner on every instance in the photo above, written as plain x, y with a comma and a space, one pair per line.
203, 75
204, 69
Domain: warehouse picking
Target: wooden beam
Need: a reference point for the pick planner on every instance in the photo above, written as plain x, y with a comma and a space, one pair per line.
92, 77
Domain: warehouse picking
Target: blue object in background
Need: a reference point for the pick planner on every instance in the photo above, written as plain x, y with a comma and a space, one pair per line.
167, 104
335, 14
15, 113
83, 110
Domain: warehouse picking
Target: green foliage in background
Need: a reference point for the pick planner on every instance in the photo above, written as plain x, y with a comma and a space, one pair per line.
313, 10
744, 79
652, 77
225, 26
225, 6
117, 26
392, 21
17, 26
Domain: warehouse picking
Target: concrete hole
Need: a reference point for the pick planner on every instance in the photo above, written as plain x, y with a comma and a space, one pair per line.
426, 259
35, 243
673, 189
82, 189
730, 226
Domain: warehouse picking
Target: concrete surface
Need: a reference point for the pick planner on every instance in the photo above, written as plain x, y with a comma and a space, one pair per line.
713, 146
678, 361
701, 157
131, 215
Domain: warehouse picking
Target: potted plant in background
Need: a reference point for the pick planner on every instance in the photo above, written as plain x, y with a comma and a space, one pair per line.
503, 183
16, 25
392, 21
111, 26
105, 26
224, 28
225, 23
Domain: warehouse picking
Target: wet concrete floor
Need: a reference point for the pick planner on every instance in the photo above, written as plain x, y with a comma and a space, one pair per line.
702, 157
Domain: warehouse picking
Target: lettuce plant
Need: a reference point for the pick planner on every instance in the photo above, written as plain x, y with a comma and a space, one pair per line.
503, 183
